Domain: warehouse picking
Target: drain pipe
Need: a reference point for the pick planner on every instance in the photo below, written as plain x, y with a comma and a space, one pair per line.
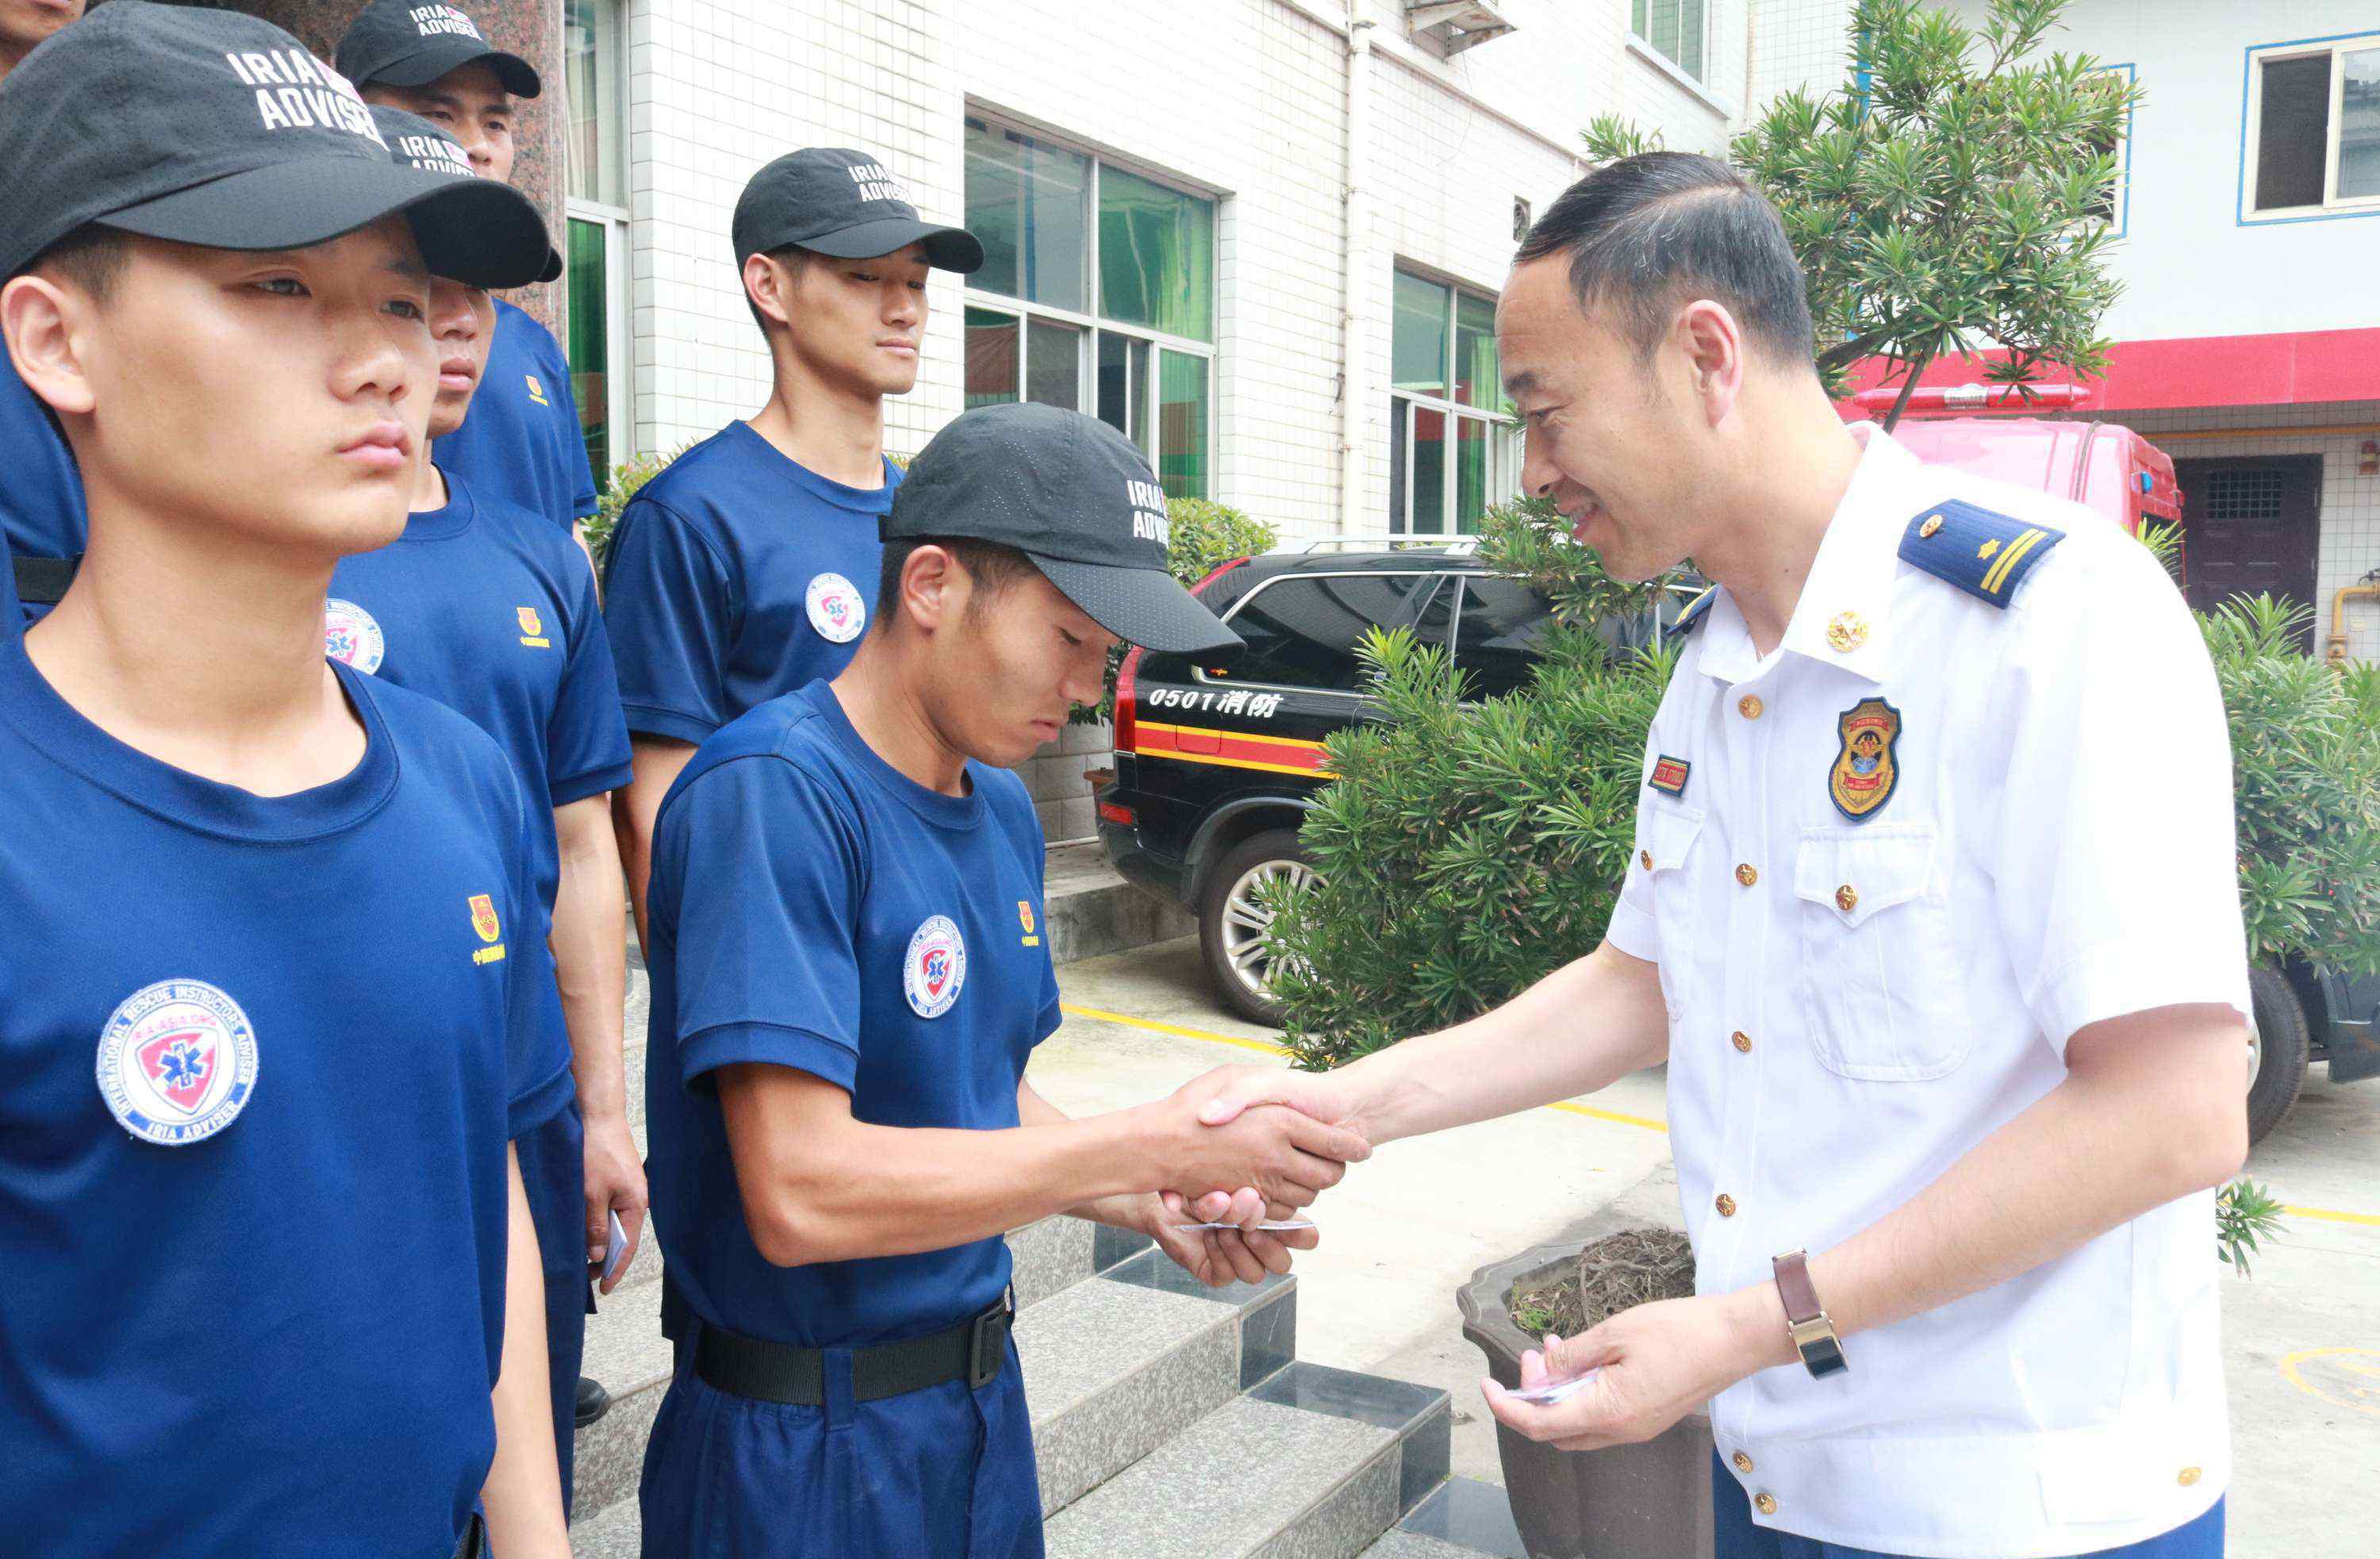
1354, 386
2336, 650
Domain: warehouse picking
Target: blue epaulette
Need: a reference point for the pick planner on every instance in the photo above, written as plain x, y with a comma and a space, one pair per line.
1697, 610
1985, 553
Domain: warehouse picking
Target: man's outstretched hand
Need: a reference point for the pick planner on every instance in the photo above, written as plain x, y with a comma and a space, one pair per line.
1656, 1364
1284, 1155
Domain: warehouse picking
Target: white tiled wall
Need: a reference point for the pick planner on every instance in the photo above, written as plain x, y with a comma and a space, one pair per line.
2349, 545
1800, 44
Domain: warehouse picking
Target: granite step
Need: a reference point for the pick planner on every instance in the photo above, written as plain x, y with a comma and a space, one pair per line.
1463, 1518
1314, 1463
628, 1353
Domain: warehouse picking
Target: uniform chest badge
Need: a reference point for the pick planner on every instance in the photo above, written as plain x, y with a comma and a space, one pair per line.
490, 929
934, 968
836, 610
532, 628
176, 1062
1866, 770
536, 390
1669, 775
350, 635
1025, 919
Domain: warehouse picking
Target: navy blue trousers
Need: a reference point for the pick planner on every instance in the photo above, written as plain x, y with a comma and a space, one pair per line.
554, 1173
946, 1472
1735, 1537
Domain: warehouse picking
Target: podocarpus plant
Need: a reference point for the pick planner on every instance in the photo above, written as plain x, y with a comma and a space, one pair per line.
1949, 197
1469, 849
626, 478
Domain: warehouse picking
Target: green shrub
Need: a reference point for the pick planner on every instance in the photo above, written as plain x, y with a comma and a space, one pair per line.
619, 488
1469, 849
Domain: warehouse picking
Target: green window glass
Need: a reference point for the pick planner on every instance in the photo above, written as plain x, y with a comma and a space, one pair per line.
1478, 377
1418, 362
1157, 256
589, 350
1428, 471
1470, 473
1029, 202
1676, 28
1182, 424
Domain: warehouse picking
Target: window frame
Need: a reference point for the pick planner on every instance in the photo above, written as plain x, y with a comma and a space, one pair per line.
2119, 222
619, 318
1504, 453
2251, 105
1699, 79
1088, 325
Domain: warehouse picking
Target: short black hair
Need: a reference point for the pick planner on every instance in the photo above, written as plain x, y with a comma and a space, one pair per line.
993, 565
794, 259
1650, 232
92, 257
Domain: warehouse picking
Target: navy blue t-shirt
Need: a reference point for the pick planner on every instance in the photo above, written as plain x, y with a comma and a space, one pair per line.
41, 492
255, 1261
738, 575
484, 607
812, 906
523, 440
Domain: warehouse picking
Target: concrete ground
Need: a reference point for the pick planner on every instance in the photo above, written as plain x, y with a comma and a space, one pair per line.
2302, 1336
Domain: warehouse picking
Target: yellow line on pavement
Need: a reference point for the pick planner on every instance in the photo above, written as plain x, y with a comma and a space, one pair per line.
1180, 1031
2328, 1216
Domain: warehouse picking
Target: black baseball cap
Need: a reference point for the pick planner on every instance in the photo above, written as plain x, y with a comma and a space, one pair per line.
217, 128
411, 44
417, 143
833, 201
1075, 497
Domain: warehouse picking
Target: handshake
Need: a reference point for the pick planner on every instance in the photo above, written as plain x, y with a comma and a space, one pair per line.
1241, 1147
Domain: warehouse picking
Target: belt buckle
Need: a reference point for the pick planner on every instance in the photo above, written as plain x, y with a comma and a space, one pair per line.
988, 1343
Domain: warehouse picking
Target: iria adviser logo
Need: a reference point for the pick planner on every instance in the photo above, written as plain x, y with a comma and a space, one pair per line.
1149, 517
433, 21
295, 90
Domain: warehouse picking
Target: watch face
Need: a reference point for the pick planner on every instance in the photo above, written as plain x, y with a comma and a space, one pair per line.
1825, 1356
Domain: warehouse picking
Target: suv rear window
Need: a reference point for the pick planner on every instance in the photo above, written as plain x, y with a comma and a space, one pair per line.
1302, 631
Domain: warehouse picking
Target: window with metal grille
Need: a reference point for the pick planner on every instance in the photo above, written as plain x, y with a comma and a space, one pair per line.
2237, 495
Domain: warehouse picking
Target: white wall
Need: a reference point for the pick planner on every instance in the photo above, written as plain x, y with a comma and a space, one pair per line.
1244, 99
2189, 266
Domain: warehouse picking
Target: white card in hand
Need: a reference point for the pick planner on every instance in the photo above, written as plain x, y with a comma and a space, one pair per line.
1559, 1390
1269, 1226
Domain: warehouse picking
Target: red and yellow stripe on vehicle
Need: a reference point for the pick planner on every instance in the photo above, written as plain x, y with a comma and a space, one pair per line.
1231, 749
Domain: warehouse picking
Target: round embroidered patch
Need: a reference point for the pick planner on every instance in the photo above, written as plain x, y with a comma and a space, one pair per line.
350, 634
176, 1062
935, 967
836, 609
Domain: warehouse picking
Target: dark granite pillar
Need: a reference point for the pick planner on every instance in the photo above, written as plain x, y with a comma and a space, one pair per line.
531, 29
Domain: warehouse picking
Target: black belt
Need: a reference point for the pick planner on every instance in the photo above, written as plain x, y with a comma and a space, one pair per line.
473, 1544
976, 1351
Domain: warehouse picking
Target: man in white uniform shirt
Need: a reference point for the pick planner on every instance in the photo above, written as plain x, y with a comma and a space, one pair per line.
1932, 913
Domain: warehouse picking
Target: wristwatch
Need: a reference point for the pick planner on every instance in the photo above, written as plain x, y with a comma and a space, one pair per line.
1814, 1334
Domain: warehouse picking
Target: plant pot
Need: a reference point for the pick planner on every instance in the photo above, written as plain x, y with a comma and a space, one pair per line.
1651, 1501
1098, 779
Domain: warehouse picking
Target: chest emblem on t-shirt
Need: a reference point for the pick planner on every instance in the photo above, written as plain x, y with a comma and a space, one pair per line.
483, 921
532, 628
836, 609
1865, 772
177, 1062
935, 967
350, 634
536, 390
1025, 918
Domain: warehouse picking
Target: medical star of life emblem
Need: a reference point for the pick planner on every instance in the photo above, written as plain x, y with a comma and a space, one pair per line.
176, 1062
835, 608
934, 968
350, 635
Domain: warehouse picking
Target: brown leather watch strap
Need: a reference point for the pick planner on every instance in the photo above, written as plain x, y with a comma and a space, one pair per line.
1806, 1319
1793, 1287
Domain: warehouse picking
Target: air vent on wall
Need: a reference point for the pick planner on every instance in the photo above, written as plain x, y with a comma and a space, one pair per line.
1455, 25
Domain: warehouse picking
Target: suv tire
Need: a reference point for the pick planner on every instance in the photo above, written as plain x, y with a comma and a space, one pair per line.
1231, 928
2280, 1048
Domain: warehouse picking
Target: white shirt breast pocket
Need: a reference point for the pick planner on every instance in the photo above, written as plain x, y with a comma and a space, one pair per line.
1882, 996
1666, 832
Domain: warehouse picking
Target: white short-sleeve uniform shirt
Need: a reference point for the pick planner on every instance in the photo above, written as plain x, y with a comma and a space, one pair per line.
1888, 870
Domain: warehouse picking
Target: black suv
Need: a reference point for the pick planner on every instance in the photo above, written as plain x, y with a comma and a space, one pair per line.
1216, 762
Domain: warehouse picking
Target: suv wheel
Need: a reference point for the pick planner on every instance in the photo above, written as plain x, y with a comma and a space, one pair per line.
2276, 1050
1234, 930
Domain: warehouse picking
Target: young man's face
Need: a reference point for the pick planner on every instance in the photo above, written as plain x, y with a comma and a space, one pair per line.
1609, 438
1005, 668
24, 23
470, 105
463, 323
858, 323
275, 396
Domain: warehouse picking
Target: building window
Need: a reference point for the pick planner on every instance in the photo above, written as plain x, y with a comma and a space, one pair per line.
1676, 30
596, 244
2115, 208
1452, 453
1097, 294
2312, 133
